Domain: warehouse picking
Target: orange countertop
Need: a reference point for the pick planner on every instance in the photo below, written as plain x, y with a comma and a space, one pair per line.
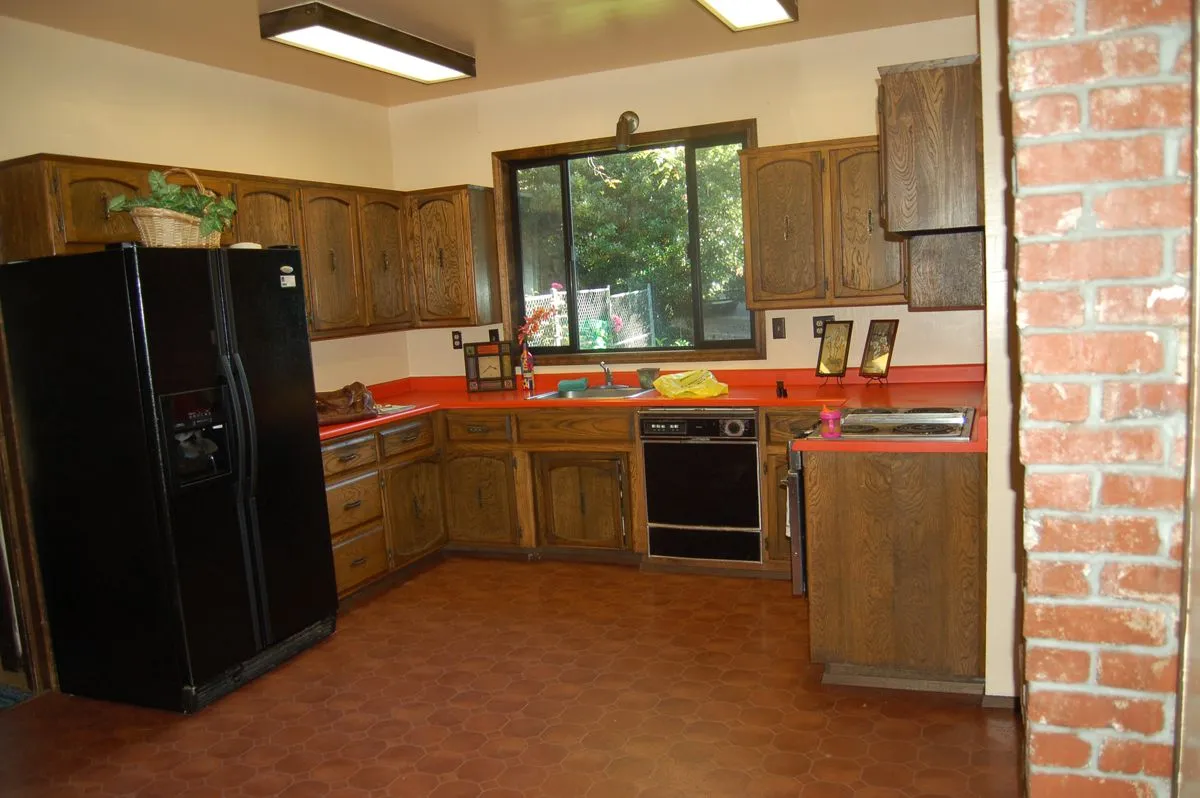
907, 387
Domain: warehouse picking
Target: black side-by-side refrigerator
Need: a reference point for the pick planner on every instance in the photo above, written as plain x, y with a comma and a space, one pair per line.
168, 445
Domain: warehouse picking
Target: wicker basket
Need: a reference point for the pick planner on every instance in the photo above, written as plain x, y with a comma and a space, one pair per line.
162, 228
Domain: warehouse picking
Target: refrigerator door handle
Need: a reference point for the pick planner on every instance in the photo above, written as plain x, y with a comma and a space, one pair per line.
235, 398
251, 427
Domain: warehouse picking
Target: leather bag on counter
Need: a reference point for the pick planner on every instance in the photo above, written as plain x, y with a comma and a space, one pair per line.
353, 402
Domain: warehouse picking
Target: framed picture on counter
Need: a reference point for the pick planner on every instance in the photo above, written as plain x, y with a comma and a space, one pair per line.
835, 349
877, 353
489, 366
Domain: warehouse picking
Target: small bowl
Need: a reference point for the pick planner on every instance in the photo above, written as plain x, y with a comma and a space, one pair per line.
647, 376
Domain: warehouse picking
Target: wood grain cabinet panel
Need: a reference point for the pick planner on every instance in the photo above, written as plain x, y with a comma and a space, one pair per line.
348, 454
946, 271
440, 256
895, 554
480, 499
353, 501
380, 229
335, 280
359, 559
867, 262
783, 426
478, 427
84, 191
931, 127
268, 213
413, 500
778, 547
580, 500
407, 436
784, 227
549, 425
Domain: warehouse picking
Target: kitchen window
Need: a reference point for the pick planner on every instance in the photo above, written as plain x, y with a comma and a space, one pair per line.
636, 255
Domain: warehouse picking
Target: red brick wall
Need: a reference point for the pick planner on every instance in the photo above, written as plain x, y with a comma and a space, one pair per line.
1101, 107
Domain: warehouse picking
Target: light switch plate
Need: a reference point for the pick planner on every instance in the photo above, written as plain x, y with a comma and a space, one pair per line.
819, 325
778, 328
456, 339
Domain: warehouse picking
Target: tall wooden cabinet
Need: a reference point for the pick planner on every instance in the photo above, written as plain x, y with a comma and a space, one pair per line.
930, 130
813, 234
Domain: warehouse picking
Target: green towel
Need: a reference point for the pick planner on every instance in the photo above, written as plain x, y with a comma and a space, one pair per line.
580, 384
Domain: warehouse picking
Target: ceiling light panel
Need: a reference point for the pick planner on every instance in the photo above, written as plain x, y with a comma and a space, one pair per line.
329, 31
745, 14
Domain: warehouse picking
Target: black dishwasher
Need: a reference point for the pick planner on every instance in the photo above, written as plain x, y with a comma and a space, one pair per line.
702, 483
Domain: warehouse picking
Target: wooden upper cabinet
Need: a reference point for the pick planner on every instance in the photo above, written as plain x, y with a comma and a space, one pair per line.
931, 129
84, 191
480, 499
581, 500
331, 259
783, 214
867, 263
414, 520
452, 249
380, 230
267, 213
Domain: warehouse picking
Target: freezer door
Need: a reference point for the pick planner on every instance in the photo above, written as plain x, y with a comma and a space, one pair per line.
196, 432
265, 314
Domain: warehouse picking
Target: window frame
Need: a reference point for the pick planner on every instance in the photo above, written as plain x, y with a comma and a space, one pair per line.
512, 300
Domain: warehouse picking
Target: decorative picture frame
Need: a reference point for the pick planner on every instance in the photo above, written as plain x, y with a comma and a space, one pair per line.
877, 351
490, 366
835, 349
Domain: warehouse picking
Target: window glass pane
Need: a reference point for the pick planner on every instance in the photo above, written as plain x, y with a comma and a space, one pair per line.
722, 257
629, 223
543, 262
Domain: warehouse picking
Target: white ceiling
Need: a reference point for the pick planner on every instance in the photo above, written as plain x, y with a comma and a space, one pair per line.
514, 41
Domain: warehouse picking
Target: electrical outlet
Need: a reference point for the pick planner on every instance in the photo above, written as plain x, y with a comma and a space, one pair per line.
819, 325
456, 339
778, 328
494, 334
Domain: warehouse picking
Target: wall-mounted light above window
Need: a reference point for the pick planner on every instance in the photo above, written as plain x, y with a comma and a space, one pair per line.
745, 14
330, 31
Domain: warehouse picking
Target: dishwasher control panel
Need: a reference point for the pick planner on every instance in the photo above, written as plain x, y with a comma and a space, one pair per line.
700, 425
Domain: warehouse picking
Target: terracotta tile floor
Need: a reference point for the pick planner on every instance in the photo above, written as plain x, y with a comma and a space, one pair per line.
499, 679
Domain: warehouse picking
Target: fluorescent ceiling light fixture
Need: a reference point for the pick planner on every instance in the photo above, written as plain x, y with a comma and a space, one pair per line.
745, 14
332, 32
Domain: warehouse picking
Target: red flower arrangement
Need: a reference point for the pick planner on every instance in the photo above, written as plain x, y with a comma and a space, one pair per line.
533, 323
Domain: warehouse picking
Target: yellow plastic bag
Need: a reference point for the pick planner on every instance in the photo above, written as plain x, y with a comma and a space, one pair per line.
696, 384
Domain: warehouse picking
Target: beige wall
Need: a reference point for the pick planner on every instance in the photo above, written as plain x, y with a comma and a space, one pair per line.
72, 95
1002, 520
817, 89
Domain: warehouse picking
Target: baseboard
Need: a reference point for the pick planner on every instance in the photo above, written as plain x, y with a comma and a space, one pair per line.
395, 578
656, 565
999, 702
860, 676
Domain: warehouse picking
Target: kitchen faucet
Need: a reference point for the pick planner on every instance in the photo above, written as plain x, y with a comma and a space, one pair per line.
608, 380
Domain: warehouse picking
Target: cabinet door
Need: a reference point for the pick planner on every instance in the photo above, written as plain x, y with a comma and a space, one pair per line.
222, 187
778, 546
267, 214
581, 500
784, 221
441, 257
387, 281
84, 192
331, 259
413, 501
480, 499
931, 132
867, 263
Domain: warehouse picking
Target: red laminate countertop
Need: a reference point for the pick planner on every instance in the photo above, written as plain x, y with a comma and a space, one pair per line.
924, 386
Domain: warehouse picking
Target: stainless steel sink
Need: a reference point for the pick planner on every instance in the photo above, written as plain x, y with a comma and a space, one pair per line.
596, 392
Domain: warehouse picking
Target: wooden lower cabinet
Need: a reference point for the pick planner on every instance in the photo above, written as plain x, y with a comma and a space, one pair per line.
581, 500
359, 558
778, 546
413, 509
895, 560
480, 498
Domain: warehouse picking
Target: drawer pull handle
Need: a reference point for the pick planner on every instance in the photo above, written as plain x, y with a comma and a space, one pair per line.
348, 458
478, 429
411, 436
361, 561
352, 505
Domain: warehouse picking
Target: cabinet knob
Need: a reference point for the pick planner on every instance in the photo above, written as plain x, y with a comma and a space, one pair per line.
332, 260
348, 458
441, 258
787, 227
104, 205
352, 505
360, 562
416, 508
870, 222
385, 261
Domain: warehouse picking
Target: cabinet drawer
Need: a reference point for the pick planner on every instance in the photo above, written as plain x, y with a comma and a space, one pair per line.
353, 501
344, 455
575, 425
467, 427
783, 427
359, 558
406, 437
